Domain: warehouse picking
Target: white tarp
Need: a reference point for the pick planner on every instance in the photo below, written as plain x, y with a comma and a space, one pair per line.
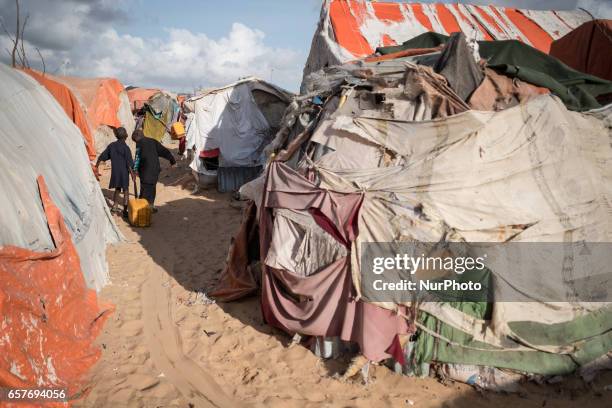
327, 49
229, 119
37, 138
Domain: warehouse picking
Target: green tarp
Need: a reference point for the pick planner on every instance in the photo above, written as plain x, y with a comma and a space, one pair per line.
577, 90
446, 344
590, 337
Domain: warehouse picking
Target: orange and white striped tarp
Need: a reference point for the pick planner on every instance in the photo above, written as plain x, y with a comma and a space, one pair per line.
351, 29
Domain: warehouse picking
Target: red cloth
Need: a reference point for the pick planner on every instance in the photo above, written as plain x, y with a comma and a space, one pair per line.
326, 304
210, 153
397, 351
587, 48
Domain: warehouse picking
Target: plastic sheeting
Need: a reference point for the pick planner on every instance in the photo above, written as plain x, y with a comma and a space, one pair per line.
100, 97
229, 119
38, 139
105, 103
139, 96
351, 29
69, 102
48, 318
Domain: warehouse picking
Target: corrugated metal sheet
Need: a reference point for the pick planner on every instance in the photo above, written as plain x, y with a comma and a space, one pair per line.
232, 178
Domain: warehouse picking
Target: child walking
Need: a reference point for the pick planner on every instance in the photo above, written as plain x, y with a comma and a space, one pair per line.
122, 165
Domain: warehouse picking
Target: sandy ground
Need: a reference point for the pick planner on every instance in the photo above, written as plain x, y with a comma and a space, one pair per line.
166, 346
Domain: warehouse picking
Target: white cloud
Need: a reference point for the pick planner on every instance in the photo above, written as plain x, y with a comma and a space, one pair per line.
187, 59
83, 43
78, 37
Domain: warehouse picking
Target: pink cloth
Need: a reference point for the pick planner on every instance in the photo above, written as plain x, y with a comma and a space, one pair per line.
322, 304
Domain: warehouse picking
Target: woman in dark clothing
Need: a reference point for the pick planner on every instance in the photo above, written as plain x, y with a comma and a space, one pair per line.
120, 156
148, 152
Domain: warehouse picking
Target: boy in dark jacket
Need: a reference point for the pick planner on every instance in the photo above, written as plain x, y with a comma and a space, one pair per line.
148, 152
120, 156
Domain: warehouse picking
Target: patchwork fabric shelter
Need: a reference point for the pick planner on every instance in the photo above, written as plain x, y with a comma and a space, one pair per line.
350, 29
238, 121
387, 151
587, 48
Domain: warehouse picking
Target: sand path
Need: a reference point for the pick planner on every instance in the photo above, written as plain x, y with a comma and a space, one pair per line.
167, 346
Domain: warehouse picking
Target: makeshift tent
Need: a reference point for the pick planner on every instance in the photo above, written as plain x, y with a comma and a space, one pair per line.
139, 96
587, 48
39, 139
386, 151
350, 29
161, 111
69, 102
54, 227
240, 120
106, 104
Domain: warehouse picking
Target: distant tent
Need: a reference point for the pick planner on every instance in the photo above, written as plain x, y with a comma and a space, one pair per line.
161, 111
350, 29
106, 104
69, 102
588, 48
237, 121
139, 96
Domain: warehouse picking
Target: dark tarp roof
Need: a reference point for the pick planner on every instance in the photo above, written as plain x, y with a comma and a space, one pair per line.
588, 48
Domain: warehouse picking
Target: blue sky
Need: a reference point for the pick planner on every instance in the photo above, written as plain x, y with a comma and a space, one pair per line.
186, 44
287, 23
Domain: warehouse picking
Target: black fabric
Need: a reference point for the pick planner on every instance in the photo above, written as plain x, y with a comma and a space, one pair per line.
211, 163
148, 191
457, 65
577, 90
120, 155
150, 150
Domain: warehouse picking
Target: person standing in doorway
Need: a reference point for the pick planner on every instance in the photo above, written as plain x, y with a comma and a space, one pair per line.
146, 163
